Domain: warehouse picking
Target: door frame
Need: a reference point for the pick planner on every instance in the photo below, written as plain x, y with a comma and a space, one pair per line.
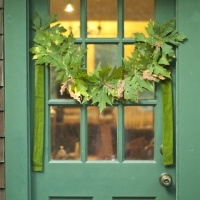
17, 143
17, 109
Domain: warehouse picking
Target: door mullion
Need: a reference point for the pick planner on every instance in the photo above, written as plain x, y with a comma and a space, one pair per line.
120, 133
83, 134
83, 27
120, 128
120, 19
83, 19
120, 31
83, 125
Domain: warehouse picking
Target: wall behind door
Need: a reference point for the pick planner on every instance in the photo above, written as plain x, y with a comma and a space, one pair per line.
2, 136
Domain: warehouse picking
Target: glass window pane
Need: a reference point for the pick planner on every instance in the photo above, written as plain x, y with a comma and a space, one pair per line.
139, 132
102, 18
106, 54
128, 49
102, 133
69, 18
55, 87
136, 16
147, 94
65, 133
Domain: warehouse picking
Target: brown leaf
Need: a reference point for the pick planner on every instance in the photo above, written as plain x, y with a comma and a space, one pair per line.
66, 85
75, 95
120, 89
148, 76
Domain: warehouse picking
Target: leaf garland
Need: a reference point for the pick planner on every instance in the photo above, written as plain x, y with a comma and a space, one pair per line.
148, 63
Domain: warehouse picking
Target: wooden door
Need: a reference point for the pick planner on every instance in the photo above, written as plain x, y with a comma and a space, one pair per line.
109, 155
19, 183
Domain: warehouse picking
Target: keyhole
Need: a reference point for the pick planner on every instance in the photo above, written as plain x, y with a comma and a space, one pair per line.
166, 181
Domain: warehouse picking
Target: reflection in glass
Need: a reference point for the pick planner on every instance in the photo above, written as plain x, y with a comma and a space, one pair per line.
65, 133
147, 94
128, 49
139, 132
102, 133
136, 16
102, 18
69, 20
105, 54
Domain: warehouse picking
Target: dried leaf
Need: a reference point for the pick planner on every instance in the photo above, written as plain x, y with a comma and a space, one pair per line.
147, 75
66, 85
120, 89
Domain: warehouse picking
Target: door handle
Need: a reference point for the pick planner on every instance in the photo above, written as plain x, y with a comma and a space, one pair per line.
165, 180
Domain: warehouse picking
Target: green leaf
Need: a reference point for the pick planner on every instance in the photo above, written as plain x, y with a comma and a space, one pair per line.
100, 97
163, 60
159, 70
66, 59
116, 73
146, 65
149, 28
167, 27
139, 37
81, 87
61, 76
36, 21
180, 37
167, 49
144, 84
130, 92
48, 20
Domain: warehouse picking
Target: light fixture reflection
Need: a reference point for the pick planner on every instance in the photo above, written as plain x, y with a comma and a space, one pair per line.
69, 7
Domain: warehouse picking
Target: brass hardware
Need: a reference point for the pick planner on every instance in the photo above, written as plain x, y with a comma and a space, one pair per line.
165, 180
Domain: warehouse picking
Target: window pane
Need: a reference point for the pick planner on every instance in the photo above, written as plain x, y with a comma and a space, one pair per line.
101, 21
128, 49
106, 54
55, 87
136, 16
70, 20
65, 133
139, 132
102, 133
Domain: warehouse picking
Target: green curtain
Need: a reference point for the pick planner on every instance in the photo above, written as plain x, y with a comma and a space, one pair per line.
38, 143
167, 122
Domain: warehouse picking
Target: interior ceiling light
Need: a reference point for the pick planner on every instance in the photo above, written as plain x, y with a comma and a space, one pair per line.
69, 7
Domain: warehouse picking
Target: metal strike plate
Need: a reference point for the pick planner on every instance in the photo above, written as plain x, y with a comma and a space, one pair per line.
165, 180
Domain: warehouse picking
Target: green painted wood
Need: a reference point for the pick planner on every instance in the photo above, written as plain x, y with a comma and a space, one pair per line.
16, 100
103, 180
188, 98
64, 180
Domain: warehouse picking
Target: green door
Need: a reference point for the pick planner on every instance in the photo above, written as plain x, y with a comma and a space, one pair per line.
114, 154
128, 179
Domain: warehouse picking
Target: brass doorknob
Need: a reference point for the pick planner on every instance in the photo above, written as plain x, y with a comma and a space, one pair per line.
165, 180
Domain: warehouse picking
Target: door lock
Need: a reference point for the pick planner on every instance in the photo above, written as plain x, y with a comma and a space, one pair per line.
165, 180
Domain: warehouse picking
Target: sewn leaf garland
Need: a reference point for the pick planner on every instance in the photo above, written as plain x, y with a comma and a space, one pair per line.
148, 63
